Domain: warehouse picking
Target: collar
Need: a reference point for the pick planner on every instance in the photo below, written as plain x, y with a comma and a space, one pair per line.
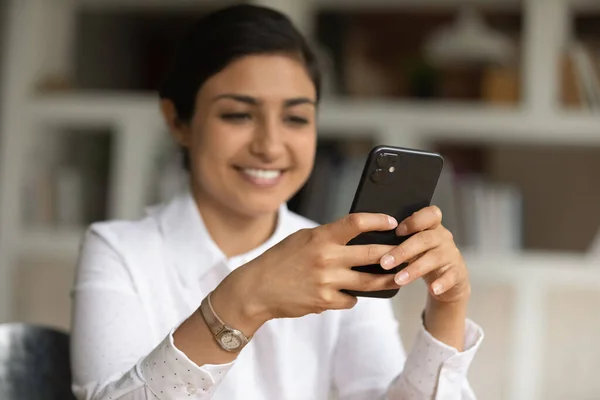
189, 244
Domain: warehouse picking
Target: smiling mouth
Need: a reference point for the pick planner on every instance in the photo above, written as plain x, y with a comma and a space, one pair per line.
262, 173
262, 177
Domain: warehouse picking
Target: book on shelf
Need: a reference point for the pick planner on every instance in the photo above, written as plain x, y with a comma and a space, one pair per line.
66, 181
482, 215
580, 77
594, 249
446, 199
490, 215
328, 193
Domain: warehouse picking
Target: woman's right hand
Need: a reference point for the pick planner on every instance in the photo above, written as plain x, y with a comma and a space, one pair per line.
305, 272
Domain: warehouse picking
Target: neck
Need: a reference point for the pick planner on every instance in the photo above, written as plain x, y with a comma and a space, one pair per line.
223, 224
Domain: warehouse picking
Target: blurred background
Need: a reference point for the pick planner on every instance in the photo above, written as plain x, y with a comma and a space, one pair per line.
507, 90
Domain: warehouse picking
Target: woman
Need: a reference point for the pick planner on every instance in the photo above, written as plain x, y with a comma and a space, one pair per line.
223, 293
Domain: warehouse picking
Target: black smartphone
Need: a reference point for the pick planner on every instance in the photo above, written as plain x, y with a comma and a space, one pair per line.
398, 182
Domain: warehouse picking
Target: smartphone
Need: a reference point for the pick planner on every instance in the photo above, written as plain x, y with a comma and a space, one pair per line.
398, 182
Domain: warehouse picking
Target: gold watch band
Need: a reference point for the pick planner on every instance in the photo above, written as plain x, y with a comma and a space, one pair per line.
210, 317
223, 334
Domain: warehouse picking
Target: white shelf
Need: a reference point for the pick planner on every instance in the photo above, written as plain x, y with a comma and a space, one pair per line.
454, 121
535, 268
543, 268
50, 243
428, 121
411, 4
344, 5
94, 108
167, 5
152, 5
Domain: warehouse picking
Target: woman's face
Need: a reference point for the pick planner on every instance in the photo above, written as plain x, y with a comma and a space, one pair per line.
252, 138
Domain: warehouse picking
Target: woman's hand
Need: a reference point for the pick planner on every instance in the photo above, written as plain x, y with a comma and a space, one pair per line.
431, 254
304, 273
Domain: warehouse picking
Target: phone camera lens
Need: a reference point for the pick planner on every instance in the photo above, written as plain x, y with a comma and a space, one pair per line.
383, 161
387, 160
377, 175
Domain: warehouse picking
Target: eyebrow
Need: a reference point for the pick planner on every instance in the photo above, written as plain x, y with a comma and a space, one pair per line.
253, 101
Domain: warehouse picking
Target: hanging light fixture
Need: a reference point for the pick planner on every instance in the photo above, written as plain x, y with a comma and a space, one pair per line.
469, 40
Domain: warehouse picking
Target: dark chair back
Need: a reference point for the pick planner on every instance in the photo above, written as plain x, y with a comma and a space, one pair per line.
34, 363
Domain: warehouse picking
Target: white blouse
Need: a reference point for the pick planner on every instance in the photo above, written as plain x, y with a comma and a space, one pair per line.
138, 280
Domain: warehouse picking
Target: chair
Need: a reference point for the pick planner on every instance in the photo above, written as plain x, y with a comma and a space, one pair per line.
34, 363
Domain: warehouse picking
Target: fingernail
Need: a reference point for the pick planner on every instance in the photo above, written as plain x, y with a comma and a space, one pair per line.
437, 288
401, 278
401, 229
393, 221
387, 261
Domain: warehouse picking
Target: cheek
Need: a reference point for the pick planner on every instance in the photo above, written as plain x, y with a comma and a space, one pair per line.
212, 144
305, 151
208, 154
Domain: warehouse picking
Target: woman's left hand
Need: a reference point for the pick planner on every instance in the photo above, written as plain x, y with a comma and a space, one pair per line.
431, 254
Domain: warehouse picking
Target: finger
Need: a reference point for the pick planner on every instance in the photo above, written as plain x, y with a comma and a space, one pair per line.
445, 282
347, 228
426, 218
412, 247
367, 254
425, 264
365, 282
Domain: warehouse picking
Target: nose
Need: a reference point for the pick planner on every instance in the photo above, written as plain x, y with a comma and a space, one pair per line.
268, 141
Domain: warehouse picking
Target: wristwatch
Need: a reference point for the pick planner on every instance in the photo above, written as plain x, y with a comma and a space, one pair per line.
228, 338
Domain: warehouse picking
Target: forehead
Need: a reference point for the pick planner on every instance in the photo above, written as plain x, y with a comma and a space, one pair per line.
269, 77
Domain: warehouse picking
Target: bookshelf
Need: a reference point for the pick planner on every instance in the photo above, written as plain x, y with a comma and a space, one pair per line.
32, 102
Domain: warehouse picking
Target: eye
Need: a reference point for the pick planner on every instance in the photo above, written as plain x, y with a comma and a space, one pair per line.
297, 120
236, 117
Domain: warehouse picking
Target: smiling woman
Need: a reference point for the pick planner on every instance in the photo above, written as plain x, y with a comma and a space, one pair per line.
225, 274
251, 139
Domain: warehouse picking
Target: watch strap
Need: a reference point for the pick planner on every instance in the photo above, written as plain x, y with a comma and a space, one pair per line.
217, 326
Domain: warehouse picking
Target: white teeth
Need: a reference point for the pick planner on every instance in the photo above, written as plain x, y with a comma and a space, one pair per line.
262, 173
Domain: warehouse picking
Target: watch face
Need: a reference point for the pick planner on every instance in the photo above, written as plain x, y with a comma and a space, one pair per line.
230, 341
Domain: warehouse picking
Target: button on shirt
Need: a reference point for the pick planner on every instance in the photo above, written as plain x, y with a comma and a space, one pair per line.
137, 281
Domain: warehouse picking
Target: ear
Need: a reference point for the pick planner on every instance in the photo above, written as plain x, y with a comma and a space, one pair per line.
179, 130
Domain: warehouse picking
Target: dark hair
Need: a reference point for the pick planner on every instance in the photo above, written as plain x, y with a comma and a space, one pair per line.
223, 36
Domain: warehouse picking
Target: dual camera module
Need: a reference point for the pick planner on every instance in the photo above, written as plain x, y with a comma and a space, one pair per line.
386, 165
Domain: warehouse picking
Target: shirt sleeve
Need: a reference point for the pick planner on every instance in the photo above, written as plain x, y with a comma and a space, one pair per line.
113, 355
435, 370
370, 362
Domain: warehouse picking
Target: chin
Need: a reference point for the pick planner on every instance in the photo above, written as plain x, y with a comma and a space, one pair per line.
257, 206
263, 207
251, 211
